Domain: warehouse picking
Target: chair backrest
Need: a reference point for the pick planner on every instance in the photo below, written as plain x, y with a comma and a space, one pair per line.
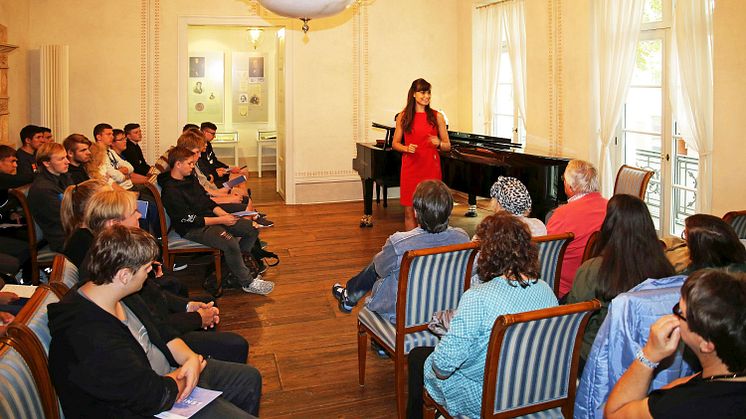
432, 280
532, 360
551, 252
632, 181
19, 396
29, 333
64, 275
592, 239
737, 220
33, 231
163, 219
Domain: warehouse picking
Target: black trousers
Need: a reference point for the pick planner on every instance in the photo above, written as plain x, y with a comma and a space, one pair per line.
416, 385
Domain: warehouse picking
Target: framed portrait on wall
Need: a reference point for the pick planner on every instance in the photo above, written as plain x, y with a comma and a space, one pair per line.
250, 87
206, 87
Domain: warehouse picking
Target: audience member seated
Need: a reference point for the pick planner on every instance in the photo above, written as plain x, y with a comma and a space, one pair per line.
626, 253
47, 132
112, 166
72, 212
196, 217
45, 194
109, 358
432, 204
454, 370
510, 194
78, 149
219, 170
32, 137
713, 243
133, 153
14, 251
118, 145
709, 319
108, 207
582, 215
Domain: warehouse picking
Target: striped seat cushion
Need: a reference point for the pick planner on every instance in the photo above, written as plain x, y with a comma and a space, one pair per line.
38, 320
387, 332
18, 396
45, 255
535, 360
70, 274
739, 224
175, 241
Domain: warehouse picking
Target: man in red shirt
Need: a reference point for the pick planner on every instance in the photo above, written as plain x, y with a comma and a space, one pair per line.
582, 215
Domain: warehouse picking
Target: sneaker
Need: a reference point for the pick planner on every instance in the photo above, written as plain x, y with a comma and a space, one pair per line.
262, 222
179, 267
343, 303
259, 286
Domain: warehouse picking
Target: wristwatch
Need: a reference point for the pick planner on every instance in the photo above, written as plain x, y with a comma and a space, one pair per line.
640, 356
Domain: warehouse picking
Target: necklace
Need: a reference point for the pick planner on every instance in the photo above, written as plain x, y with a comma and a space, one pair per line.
724, 376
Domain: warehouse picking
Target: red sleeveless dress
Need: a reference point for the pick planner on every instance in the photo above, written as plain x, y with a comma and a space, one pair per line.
424, 164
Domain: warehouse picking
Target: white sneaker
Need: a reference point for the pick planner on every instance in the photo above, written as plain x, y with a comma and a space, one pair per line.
259, 286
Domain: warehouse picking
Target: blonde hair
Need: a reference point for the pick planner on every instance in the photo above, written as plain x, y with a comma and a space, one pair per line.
74, 202
45, 152
93, 167
581, 176
191, 139
109, 205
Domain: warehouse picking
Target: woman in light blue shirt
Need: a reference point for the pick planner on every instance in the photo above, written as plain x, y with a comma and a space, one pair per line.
454, 372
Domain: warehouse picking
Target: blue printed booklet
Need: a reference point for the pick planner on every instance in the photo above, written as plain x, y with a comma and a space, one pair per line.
186, 408
235, 181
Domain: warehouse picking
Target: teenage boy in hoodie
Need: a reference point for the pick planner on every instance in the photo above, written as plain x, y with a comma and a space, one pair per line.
198, 218
109, 357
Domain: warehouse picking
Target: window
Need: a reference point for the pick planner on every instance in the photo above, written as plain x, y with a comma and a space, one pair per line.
650, 134
506, 121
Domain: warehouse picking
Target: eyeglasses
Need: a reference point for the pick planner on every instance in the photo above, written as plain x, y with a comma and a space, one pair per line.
683, 234
677, 312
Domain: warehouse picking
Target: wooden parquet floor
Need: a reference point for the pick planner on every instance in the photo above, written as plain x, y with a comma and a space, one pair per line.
303, 345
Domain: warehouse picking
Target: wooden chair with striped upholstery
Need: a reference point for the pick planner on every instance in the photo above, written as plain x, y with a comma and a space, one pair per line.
20, 396
39, 257
532, 364
737, 220
29, 334
551, 252
64, 275
172, 243
430, 280
632, 181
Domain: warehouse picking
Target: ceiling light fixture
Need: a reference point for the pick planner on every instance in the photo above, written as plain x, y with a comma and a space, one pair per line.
307, 9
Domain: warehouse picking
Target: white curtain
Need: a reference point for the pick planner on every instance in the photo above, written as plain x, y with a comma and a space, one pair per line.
515, 36
489, 38
692, 38
616, 30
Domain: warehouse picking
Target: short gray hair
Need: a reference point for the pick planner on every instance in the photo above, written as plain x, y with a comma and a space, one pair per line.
581, 176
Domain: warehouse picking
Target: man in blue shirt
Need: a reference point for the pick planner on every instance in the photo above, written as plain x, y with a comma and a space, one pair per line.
432, 204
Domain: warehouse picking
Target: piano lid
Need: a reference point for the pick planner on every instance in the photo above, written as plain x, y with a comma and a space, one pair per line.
461, 139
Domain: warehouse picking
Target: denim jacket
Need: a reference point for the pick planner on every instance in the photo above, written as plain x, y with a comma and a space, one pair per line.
388, 260
624, 331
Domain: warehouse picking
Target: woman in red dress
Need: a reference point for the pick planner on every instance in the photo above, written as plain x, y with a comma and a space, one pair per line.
420, 134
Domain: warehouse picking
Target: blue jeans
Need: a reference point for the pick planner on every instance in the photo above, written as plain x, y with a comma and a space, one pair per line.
361, 284
241, 385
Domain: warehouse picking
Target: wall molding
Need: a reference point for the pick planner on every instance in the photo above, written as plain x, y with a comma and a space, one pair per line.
360, 74
555, 88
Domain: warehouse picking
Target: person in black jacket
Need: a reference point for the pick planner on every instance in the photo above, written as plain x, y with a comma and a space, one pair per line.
133, 152
13, 245
45, 194
198, 218
78, 148
109, 358
32, 137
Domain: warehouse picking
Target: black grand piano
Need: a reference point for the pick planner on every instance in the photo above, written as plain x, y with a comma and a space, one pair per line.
472, 166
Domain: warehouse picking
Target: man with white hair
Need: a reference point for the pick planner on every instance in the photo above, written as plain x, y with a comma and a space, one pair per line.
582, 215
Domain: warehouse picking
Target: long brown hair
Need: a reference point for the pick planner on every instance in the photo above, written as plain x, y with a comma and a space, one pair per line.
629, 248
419, 85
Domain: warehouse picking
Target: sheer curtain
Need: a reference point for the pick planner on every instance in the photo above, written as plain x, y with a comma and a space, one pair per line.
490, 37
616, 30
515, 36
692, 38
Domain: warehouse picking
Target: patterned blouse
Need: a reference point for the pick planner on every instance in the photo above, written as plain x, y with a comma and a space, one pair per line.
461, 353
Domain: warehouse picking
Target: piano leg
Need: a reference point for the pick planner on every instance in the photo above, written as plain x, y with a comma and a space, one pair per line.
378, 194
385, 197
472, 211
367, 219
